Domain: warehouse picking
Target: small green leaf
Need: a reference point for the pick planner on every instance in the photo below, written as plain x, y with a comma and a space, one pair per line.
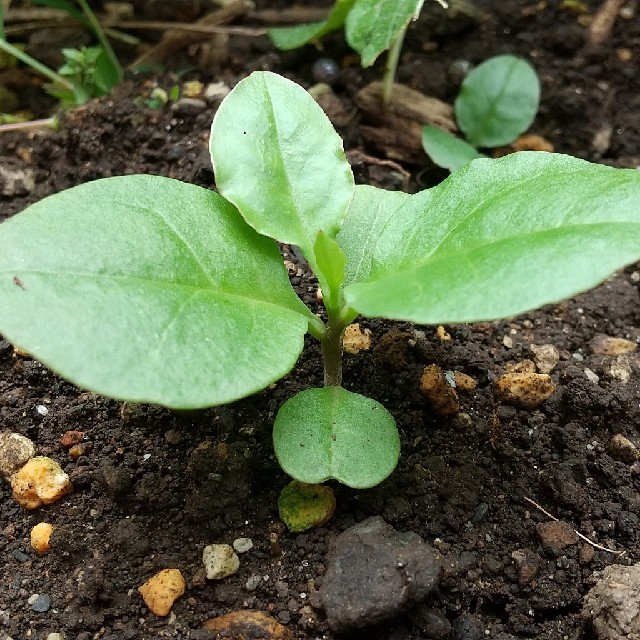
501, 237
373, 25
368, 213
277, 157
446, 150
286, 38
327, 433
498, 101
148, 289
331, 262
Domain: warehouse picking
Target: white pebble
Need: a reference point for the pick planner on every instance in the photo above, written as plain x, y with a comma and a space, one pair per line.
220, 561
242, 545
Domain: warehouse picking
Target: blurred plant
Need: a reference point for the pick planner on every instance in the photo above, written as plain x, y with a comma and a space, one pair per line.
88, 72
371, 27
497, 102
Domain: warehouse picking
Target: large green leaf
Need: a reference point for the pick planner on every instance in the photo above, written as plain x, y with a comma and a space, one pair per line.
148, 289
369, 211
446, 150
293, 37
277, 157
373, 25
498, 100
500, 237
327, 433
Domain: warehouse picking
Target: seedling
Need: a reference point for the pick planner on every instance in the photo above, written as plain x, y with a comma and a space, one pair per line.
371, 27
148, 289
497, 102
87, 73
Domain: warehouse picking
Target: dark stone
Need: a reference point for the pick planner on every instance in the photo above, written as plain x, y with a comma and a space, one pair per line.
41, 604
374, 573
116, 482
466, 627
431, 623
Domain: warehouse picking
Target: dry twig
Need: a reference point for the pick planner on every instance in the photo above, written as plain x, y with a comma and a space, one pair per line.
581, 536
602, 25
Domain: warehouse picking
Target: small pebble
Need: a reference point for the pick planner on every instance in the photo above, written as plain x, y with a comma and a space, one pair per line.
161, 590
56, 636
41, 481
252, 583
325, 70
466, 627
15, 451
604, 345
527, 390
621, 448
220, 561
40, 603
242, 545
20, 556
41, 536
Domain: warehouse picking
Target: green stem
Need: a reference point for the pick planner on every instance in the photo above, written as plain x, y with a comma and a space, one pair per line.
97, 29
391, 66
34, 64
332, 351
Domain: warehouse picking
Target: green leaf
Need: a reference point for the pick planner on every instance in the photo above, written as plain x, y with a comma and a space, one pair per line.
277, 157
501, 237
327, 433
286, 38
498, 100
373, 25
368, 213
331, 263
446, 150
148, 289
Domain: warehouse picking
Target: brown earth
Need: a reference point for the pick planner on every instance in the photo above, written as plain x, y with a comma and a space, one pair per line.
144, 501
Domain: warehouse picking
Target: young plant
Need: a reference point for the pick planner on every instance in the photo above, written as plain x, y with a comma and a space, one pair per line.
497, 102
371, 27
87, 73
148, 289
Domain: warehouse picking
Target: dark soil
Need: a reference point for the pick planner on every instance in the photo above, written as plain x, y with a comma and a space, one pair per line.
146, 499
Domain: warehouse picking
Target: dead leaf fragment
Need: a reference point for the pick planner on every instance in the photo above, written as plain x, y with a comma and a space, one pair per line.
355, 339
527, 390
532, 142
438, 391
161, 590
248, 625
604, 345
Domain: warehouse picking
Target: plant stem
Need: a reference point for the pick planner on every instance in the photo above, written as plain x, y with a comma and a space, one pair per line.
391, 66
332, 352
97, 29
34, 64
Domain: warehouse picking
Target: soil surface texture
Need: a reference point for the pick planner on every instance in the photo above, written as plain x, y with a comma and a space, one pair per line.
153, 487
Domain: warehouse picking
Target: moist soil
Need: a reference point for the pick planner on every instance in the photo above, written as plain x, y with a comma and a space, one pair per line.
147, 496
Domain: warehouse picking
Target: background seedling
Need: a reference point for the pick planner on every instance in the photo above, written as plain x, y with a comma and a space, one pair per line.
371, 27
147, 289
497, 102
88, 72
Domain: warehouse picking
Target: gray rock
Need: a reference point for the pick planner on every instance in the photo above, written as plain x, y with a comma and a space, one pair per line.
431, 623
40, 603
374, 573
613, 604
466, 627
